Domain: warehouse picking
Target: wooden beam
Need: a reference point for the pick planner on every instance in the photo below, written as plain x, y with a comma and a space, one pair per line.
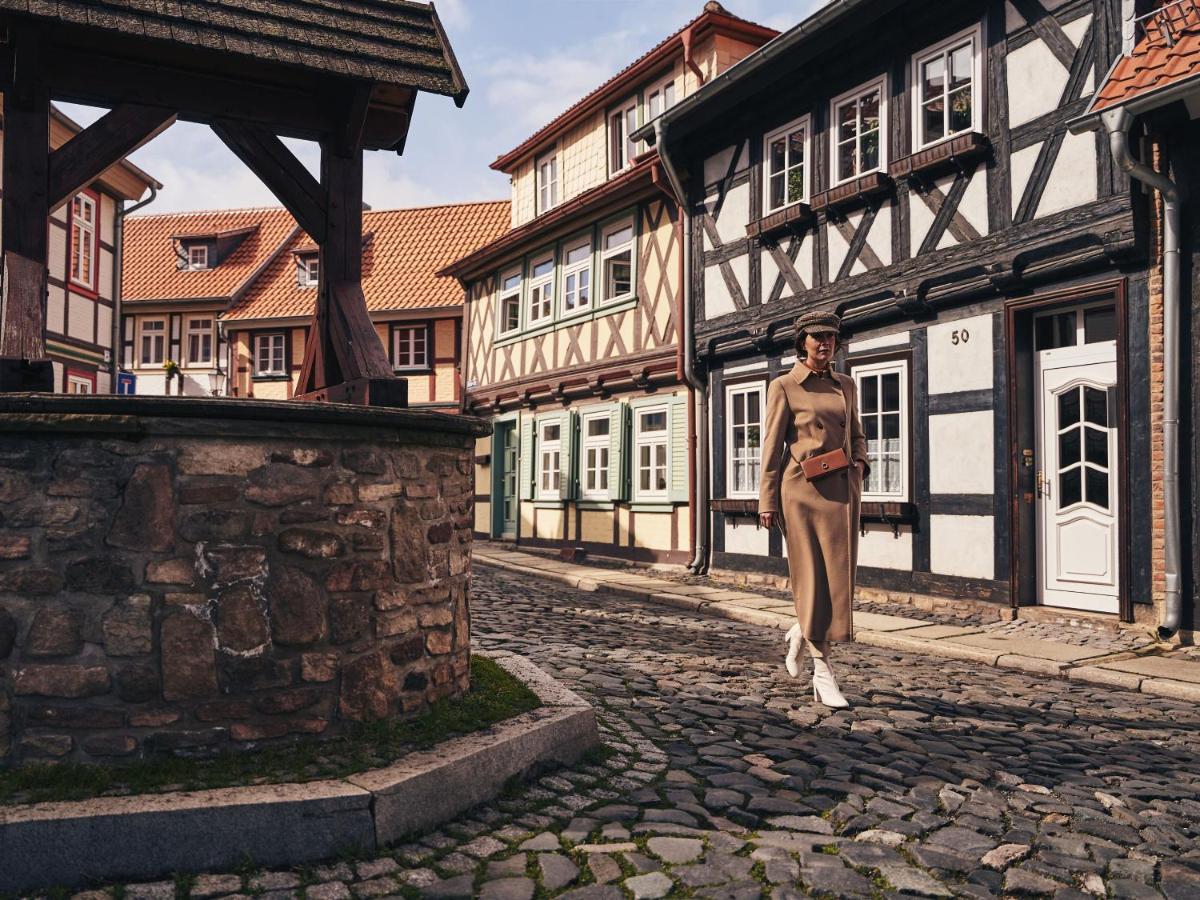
81, 160
284, 175
23, 209
354, 125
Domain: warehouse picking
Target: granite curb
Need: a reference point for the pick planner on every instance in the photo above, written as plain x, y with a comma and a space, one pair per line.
153, 835
1103, 670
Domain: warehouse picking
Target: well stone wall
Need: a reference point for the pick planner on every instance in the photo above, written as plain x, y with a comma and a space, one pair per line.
187, 576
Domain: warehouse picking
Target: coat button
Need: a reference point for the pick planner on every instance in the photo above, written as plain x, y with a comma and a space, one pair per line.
841, 424
820, 426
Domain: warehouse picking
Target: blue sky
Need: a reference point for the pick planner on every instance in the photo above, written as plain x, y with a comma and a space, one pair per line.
525, 61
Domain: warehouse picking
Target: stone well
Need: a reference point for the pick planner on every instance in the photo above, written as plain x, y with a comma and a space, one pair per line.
190, 575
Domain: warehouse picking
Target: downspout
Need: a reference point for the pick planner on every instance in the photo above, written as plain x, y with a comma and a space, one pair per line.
699, 563
118, 344
1117, 123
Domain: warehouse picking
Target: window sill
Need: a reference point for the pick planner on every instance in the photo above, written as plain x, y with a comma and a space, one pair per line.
853, 191
596, 505
945, 154
791, 218
283, 377
656, 506
419, 370
548, 503
735, 507
891, 513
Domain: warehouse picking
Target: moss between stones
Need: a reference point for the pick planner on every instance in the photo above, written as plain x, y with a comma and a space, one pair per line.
495, 695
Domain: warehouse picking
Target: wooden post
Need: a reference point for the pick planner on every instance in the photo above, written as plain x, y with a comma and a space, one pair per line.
23, 228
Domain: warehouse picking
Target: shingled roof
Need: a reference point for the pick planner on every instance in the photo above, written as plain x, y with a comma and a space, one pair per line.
393, 42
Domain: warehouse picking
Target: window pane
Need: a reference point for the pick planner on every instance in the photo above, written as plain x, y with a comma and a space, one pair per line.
960, 66
550, 432
1099, 325
847, 161
1097, 487
1095, 402
933, 78
847, 120
891, 426
669, 95
778, 155
618, 237
512, 282
1068, 448
1068, 408
1070, 490
1096, 446
870, 394
544, 267
597, 427
752, 439
618, 275
777, 183
891, 391
870, 152
796, 147
933, 121
579, 253
870, 112
653, 421
752, 401
960, 110
796, 184
871, 427
739, 409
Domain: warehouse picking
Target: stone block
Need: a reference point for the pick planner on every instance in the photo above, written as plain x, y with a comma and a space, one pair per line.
364, 460
128, 627
298, 607
363, 518
31, 580
401, 621
60, 681
287, 701
254, 673
408, 650
170, 571
223, 710
214, 526
100, 575
434, 616
15, 546
146, 518
440, 532
309, 457
279, 485
94, 717
359, 576
372, 493
8, 633
241, 623
56, 631
318, 667
188, 656
349, 618
109, 745
369, 685
339, 494
439, 643
154, 719
409, 554
231, 564
52, 745
220, 457
312, 543
138, 684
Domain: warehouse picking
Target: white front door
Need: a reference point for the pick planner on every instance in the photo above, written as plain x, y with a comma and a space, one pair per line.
1077, 472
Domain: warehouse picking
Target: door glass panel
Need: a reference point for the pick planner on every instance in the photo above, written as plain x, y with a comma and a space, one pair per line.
1095, 402
1069, 488
870, 401
891, 426
1068, 448
1068, 408
1054, 331
1097, 487
871, 428
1096, 446
1099, 325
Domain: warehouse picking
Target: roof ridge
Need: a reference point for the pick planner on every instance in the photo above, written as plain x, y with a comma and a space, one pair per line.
437, 206
209, 212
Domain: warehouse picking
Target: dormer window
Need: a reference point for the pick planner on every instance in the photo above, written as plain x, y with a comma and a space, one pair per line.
197, 257
547, 182
660, 97
622, 122
308, 270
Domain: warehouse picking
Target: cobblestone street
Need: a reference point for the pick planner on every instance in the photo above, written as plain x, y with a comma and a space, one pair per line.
724, 779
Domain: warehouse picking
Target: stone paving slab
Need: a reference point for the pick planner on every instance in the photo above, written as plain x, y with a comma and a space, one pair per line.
1170, 668
876, 622
1032, 647
938, 632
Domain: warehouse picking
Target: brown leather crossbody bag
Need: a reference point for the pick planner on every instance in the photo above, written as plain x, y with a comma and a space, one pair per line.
817, 467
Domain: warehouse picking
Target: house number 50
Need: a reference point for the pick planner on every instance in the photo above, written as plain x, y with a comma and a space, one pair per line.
960, 337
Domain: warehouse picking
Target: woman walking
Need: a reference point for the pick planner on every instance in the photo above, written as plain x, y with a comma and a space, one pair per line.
814, 462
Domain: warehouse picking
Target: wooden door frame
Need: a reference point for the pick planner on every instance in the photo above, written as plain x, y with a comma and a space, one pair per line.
499, 424
1018, 313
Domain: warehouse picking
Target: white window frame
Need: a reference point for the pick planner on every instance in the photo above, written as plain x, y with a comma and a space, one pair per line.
601, 446
659, 89
199, 329
875, 84
621, 150
158, 339
404, 350
503, 295
549, 460
974, 34
732, 392
84, 229
867, 368
197, 257
311, 266
545, 169
629, 222
805, 123
540, 298
652, 440
269, 338
79, 384
571, 275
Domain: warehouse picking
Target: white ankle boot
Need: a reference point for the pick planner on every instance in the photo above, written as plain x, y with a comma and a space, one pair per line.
795, 641
825, 686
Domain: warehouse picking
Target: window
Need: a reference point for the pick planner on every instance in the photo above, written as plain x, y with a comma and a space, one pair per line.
509, 302
744, 416
547, 182
650, 445
577, 276
595, 446
83, 241
269, 355
857, 144
549, 459
308, 272
197, 257
410, 347
785, 159
541, 289
622, 122
80, 384
616, 261
198, 337
947, 79
883, 406
153, 335
660, 97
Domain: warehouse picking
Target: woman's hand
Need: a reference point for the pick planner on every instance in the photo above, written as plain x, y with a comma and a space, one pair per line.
767, 519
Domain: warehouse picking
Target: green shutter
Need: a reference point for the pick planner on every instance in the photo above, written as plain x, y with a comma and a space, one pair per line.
569, 480
618, 444
677, 451
526, 452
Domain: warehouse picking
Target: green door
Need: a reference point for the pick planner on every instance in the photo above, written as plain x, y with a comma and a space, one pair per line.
508, 481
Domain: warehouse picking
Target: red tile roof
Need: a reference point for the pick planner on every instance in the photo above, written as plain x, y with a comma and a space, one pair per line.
1167, 54
149, 271
400, 262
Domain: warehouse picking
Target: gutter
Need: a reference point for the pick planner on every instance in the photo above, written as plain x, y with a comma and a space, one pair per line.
119, 267
699, 439
1117, 122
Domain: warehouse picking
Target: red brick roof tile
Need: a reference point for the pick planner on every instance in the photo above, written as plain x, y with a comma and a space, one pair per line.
1168, 53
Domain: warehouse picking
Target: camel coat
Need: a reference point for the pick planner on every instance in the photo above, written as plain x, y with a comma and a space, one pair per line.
809, 414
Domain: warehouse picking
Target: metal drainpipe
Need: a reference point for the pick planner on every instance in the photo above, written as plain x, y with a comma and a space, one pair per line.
1117, 123
118, 264
699, 563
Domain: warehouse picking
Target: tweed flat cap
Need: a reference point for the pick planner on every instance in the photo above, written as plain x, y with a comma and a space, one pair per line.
819, 321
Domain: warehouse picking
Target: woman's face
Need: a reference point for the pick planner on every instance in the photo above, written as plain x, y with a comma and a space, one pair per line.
820, 346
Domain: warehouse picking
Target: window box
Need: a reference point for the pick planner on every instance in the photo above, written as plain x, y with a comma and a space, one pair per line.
944, 155
791, 218
893, 514
852, 191
735, 507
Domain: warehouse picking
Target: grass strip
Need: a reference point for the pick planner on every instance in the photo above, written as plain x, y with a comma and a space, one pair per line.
494, 696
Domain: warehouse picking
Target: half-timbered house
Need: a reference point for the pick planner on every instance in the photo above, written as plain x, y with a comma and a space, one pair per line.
909, 165
572, 320
83, 291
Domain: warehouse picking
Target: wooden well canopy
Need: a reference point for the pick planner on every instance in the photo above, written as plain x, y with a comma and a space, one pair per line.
343, 73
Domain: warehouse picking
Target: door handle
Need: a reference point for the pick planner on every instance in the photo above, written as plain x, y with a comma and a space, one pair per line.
1043, 484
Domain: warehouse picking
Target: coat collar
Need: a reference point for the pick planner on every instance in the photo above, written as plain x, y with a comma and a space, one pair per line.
800, 372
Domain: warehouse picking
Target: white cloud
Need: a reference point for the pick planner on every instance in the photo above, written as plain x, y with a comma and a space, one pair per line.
453, 13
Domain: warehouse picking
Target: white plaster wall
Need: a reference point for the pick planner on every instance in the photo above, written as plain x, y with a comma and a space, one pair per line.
804, 260
56, 307
965, 366
747, 537
973, 206
879, 238
881, 549
57, 253
963, 546
838, 248
1035, 82
946, 240
742, 369
920, 220
106, 282
80, 324
735, 213
899, 339
770, 272
717, 301
1073, 178
1021, 166
961, 455
103, 381
104, 326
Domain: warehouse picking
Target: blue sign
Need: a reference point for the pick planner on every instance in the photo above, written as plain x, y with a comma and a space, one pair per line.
126, 383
